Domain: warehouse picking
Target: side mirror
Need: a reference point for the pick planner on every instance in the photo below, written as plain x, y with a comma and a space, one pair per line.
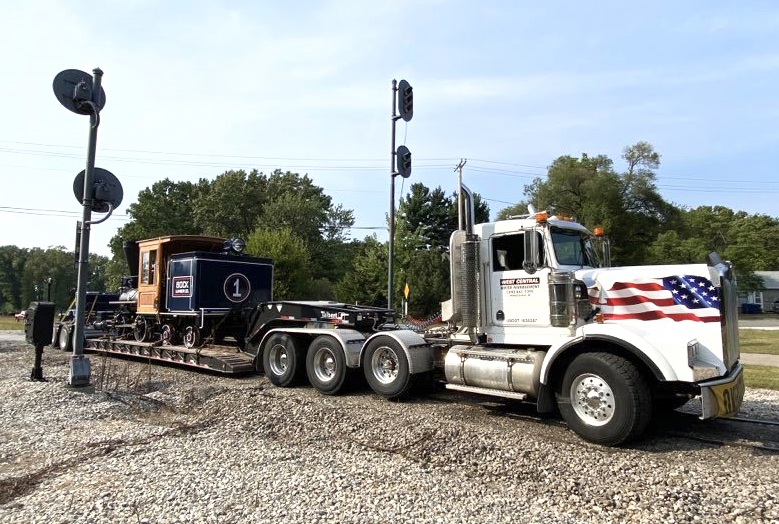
530, 263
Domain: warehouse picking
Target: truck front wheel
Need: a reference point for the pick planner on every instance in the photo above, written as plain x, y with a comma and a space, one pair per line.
605, 399
386, 367
281, 360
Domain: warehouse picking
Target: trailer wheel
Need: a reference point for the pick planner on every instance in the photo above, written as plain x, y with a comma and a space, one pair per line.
281, 360
65, 338
326, 365
386, 368
605, 399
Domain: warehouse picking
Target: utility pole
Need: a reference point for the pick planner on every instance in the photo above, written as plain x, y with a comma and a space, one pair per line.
459, 169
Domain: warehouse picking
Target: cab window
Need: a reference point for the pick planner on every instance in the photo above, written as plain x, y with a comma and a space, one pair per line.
508, 251
148, 266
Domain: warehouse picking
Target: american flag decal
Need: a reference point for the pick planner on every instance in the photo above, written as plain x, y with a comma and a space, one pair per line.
679, 297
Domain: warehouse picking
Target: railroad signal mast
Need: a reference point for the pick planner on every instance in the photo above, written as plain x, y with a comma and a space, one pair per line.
400, 164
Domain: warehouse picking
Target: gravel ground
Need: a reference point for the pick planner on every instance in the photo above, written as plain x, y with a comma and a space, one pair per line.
159, 445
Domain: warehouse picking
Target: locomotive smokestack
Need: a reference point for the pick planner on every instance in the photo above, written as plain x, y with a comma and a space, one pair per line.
131, 255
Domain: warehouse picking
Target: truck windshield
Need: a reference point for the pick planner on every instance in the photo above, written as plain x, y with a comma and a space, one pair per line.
574, 248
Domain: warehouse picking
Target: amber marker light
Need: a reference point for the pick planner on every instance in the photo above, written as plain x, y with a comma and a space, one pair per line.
598, 231
542, 216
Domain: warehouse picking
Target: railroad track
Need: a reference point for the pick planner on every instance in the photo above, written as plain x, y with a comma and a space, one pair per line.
731, 432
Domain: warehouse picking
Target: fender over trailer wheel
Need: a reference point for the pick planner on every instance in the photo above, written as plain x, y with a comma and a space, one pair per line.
605, 399
326, 365
386, 367
282, 360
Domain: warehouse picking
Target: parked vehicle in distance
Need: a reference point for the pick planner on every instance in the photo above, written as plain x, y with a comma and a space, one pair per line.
775, 307
100, 307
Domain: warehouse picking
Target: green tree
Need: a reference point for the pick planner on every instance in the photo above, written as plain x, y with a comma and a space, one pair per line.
12, 261
627, 204
230, 205
291, 260
165, 208
366, 282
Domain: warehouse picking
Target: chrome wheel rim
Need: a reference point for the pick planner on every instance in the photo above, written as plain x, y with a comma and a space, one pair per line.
324, 364
384, 365
592, 399
278, 359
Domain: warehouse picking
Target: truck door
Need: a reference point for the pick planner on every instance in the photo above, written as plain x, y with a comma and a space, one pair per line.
517, 298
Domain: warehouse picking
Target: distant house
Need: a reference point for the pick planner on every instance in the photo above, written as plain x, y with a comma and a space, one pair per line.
766, 297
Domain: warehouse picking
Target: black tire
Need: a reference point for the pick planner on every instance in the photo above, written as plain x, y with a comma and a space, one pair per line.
386, 368
612, 403
65, 338
326, 365
282, 361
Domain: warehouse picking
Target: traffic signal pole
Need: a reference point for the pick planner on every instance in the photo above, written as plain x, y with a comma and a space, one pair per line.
79, 364
393, 173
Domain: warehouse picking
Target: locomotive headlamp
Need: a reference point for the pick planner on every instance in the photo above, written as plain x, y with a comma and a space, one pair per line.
238, 245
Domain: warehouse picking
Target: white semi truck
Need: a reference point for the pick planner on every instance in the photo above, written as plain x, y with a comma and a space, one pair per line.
536, 314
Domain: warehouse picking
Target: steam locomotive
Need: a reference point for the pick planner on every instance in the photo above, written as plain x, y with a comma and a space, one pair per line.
190, 290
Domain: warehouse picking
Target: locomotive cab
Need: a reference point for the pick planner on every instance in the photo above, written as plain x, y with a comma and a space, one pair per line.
152, 264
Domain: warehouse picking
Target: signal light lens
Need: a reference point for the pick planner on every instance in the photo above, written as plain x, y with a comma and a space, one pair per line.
542, 216
599, 232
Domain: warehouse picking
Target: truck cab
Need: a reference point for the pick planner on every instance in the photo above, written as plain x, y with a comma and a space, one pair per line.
536, 313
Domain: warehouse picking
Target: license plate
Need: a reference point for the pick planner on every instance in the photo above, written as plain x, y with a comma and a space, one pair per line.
729, 396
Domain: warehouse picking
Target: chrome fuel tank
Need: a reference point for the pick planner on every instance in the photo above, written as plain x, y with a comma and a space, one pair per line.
505, 370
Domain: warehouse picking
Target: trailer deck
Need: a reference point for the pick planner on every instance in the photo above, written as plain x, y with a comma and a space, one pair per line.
224, 359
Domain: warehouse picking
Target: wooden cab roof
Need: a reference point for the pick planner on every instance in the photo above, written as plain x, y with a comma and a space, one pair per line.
192, 242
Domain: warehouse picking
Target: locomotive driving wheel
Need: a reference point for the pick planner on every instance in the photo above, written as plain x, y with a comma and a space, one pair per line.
191, 337
169, 335
142, 329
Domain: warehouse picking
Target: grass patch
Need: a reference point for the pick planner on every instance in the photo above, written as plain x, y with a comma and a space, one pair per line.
759, 341
10, 323
766, 377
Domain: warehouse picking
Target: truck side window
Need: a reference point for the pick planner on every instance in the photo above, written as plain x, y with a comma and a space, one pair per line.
508, 251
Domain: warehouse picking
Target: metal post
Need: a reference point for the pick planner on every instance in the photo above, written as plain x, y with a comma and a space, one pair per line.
460, 210
393, 173
79, 364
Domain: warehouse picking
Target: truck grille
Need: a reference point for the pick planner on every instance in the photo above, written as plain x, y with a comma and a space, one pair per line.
728, 315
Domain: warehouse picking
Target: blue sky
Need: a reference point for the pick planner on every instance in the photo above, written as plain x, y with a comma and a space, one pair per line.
196, 88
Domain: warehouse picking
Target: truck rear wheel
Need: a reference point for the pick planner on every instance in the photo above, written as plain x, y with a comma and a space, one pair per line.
281, 360
386, 367
605, 399
326, 365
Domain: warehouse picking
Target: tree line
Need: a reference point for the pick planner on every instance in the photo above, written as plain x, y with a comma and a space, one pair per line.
286, 217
